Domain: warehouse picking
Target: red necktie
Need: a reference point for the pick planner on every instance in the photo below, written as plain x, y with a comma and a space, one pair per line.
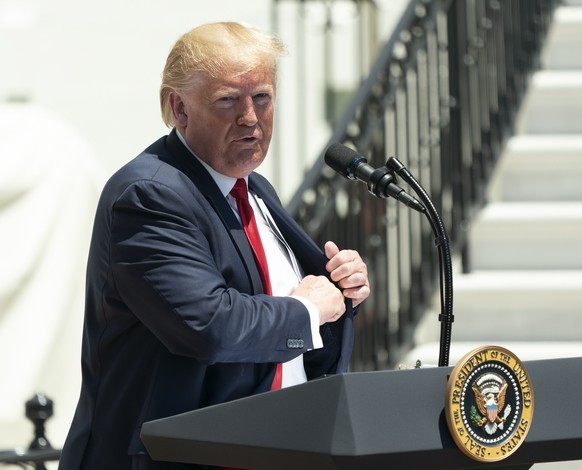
247, 216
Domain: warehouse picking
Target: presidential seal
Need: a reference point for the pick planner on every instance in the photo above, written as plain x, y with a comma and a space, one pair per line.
489, 403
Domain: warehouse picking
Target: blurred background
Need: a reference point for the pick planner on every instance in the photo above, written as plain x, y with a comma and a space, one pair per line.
474, 97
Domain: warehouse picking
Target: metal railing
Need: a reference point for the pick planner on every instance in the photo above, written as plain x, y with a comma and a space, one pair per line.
442, 97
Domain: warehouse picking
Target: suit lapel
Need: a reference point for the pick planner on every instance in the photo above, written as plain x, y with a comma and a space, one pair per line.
204, 182
309, 255
338, 334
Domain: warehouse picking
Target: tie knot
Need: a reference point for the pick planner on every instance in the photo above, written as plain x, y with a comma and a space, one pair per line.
239, 191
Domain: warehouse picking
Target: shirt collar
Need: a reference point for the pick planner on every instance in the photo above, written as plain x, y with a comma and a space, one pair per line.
224, 183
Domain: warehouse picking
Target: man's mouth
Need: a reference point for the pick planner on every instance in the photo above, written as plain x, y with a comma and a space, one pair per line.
248, 139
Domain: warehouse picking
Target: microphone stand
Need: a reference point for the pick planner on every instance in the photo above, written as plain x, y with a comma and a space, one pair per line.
445, 265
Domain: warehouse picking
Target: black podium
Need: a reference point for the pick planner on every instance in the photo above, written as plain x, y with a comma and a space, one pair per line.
369, 420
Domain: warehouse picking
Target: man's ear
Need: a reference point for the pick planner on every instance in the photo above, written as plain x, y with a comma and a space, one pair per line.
178, 109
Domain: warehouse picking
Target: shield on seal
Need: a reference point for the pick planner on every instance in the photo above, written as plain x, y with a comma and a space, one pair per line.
492, 410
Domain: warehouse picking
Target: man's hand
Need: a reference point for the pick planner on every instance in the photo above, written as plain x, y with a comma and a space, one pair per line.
349, 271
324, 295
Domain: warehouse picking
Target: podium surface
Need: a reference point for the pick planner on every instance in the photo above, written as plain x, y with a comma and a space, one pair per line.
371, 420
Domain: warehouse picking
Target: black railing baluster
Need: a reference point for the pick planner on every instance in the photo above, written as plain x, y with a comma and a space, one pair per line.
38, 410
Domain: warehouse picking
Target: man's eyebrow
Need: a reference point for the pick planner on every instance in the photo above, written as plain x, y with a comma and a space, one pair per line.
224, 90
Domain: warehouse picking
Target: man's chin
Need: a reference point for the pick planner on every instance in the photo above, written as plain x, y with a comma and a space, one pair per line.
241, 169
249, 160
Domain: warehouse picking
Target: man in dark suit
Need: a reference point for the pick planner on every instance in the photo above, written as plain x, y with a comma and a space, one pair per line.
181, 312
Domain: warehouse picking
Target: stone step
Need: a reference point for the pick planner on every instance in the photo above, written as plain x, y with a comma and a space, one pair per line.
552, 104
526, 235
494, 306
518, 306
538, 168
562, 49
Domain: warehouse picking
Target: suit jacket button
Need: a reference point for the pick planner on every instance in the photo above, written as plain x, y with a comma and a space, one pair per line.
295, 343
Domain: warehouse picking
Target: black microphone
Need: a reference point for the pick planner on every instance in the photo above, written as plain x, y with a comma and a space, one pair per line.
380, 182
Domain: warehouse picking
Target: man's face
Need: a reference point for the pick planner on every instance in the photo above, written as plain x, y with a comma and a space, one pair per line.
228, 122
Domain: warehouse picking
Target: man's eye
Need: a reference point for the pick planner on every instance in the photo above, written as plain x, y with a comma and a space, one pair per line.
262, 98
225, 101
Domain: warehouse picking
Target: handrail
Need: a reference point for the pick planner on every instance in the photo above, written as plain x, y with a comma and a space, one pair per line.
442, 97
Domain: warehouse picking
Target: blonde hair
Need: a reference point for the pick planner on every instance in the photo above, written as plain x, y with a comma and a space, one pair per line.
216, 49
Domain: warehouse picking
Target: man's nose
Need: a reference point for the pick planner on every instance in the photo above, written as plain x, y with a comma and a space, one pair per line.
247, 115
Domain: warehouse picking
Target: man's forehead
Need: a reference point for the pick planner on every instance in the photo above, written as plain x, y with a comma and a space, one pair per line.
252, 80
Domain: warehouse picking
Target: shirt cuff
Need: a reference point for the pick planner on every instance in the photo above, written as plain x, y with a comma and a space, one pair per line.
314, 320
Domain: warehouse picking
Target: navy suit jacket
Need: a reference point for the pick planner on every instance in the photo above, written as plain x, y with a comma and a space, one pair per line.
175, 317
